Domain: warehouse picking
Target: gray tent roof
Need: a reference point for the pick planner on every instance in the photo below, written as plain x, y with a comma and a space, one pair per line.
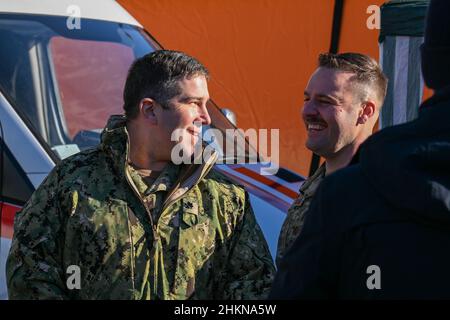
403, 18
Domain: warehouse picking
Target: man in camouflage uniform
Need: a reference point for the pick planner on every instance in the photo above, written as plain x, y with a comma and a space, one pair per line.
134, 224
342, 102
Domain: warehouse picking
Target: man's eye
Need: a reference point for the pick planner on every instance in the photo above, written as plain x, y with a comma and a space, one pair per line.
191, 104
306, 99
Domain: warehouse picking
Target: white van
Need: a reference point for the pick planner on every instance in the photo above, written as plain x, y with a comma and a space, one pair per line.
60, 79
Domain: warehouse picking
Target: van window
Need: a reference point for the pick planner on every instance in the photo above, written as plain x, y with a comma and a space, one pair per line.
74, 60
67, 82
16, 188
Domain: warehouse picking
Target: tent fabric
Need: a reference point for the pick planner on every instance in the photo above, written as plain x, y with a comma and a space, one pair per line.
401, 34
403, 18
400, 60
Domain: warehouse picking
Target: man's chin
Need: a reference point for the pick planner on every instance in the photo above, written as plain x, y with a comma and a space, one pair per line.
315, 148
311, 145
189, 153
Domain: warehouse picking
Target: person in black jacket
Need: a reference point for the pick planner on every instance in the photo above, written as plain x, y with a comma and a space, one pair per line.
380, 229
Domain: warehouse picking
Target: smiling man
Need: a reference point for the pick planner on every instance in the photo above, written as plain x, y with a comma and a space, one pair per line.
341, 106
379, 229
122, 221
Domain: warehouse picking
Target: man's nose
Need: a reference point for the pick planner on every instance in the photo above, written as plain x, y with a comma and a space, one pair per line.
309, 109
204, 115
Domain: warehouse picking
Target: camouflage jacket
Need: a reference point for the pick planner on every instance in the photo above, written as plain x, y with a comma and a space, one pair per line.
293, 224
191, 234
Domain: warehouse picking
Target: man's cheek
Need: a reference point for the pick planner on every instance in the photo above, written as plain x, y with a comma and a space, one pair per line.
193, 113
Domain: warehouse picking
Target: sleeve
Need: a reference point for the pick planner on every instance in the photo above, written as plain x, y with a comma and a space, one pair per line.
250, 269
34, 265
310, 268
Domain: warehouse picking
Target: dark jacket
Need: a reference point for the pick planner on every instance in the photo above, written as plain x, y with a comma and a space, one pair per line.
385, 219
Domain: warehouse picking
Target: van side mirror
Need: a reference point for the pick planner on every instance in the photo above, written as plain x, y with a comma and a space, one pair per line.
230, 115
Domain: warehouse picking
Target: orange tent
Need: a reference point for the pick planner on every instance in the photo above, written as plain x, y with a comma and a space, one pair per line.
260, 54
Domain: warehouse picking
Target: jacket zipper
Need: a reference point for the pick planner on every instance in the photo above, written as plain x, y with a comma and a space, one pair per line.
136, 192
166, 204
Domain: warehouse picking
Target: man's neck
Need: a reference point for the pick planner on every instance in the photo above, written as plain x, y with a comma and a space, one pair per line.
141, 160
141, 155
342, 158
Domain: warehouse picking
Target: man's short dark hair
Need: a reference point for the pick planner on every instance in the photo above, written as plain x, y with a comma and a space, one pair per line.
156, 76
367, 71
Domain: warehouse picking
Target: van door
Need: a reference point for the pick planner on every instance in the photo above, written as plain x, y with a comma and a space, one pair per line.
15, 190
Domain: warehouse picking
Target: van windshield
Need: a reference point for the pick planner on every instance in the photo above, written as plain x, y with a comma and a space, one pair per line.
67, 82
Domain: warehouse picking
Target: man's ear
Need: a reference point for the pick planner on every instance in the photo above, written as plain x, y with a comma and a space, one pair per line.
367, 111
147, 110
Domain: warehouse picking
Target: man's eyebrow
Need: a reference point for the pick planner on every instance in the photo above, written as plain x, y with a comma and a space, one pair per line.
190, 98
330, 97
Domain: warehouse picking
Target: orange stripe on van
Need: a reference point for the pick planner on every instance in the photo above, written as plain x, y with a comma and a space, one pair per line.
274, 185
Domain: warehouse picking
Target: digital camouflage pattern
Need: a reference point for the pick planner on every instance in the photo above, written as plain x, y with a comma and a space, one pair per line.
293, 224
190, 235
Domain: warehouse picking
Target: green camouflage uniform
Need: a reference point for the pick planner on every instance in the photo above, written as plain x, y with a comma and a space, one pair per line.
191, 235
293, 224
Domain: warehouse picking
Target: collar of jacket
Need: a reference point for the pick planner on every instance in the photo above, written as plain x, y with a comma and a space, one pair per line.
163, 183
318, 174
115, 142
